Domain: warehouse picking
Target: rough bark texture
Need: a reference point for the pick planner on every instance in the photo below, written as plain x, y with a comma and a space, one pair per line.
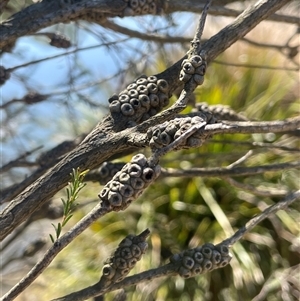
107, 138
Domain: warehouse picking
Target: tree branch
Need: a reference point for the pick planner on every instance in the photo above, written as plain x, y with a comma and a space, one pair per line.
94, 290
107, 139
269, 192
135, 138
19, 162
59, 244
288, 200
98, 212
227, 172
3, 5
197, 7
45, 161
45, 13
171, 269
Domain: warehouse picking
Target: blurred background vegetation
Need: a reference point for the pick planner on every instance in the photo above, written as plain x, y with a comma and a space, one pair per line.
180, 212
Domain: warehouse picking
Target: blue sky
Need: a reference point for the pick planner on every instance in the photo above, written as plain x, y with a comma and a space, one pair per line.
64, 116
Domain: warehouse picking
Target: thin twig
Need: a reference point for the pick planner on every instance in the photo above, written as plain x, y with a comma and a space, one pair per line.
181, 40
288, 200
45, 161
195, 49
197, 7
3, 5
153, 160
96, 290
280, 277
256, 145
199, 31
19, 162
254, 190
254, 66
241, 160
226, 127
97, 147
59, 244
170, 269
63, 54
144, 36
14, 236
264, 45
228, 172
253, 127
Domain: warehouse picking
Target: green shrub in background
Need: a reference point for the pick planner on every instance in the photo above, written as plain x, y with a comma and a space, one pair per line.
183, 213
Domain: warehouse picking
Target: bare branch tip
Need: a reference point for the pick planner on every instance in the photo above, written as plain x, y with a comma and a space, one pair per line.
144, 234
196, 44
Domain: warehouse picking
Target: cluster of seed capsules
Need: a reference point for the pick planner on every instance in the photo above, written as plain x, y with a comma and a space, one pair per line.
4, 75
219, 112
8, 47
106, 171
33, 97
165, 133
125, 257
140, 7
142, 99
201, 259
128, 183
193, 68
60, 41
92, 16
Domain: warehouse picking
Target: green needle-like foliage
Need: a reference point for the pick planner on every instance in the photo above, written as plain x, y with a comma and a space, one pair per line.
69, 205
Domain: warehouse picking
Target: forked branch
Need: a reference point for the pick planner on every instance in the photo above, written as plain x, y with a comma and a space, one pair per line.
219, 255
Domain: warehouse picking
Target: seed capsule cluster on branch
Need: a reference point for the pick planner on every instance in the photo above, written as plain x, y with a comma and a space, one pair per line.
193, 67
92, 16
4, 75
142, 99
8, 47
140, 7
128, 253
60, 41
220, 112
33, 97
201, 259
106, 171
129, 183
165, 133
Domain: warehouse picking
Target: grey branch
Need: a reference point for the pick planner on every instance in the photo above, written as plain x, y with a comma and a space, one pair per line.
163, 271
227, 172
132, 138
173, 145
109, 136
258, 145
59, 244
288, 200
3, 5
197, 7
20, 161
200, 27
284, 49
95, 290
171, 269
98, 212
44, 14
269, 192
135, 138
45, 161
